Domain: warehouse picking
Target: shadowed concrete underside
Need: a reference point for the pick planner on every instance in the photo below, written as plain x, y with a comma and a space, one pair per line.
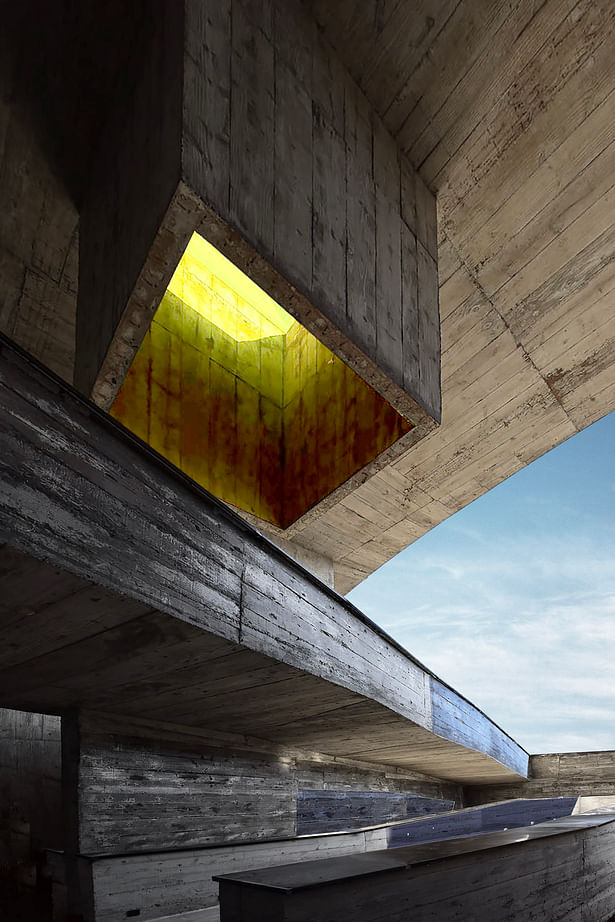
152, 598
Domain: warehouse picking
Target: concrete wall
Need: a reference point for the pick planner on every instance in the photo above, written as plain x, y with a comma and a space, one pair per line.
30, 783
59, 73
271, 424
133, 175
511, 814
181, 881
159, 801
555, 872
221, 583
566, 774
320, 811
38, 220
144, 786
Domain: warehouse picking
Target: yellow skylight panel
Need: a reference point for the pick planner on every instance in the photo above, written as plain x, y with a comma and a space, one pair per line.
210, 284
245, 400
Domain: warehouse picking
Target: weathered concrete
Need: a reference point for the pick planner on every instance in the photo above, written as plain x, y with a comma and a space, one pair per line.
322, 811
554, 870
137, 780
133, 180
208, 85
296, 662
175, 881
509, 814
30, 784
512, 131
157, 809
566, 774
527, 352
54, 103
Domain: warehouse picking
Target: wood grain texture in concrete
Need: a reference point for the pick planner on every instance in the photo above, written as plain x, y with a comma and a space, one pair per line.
514, 136
555, 869
255, 637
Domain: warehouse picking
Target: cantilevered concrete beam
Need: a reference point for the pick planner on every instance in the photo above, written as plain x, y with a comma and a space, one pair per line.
241, 122
202, 621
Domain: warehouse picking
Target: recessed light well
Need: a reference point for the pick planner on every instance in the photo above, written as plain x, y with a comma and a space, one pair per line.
230, 388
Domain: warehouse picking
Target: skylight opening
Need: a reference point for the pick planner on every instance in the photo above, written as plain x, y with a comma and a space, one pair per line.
234, 391
214, 287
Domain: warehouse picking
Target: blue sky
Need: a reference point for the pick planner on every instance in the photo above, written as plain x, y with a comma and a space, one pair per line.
512, 600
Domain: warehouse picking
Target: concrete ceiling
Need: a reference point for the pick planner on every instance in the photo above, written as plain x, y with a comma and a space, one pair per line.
508, 110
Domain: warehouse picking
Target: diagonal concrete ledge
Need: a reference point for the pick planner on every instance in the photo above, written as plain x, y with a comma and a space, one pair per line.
205, 621
529, 872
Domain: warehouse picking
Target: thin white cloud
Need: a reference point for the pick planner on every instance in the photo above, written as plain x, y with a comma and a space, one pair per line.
512, 600
528, 636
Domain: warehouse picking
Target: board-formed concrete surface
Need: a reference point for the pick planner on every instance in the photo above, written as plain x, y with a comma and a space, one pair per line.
182, 880
186, 652
535, 871
558, 774
197, 608
505, 111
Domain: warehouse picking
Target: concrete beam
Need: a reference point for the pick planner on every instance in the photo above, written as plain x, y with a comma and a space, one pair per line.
240, 121
80, 493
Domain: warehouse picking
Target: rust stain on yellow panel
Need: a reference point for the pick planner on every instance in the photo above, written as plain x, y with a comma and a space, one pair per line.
232, 390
